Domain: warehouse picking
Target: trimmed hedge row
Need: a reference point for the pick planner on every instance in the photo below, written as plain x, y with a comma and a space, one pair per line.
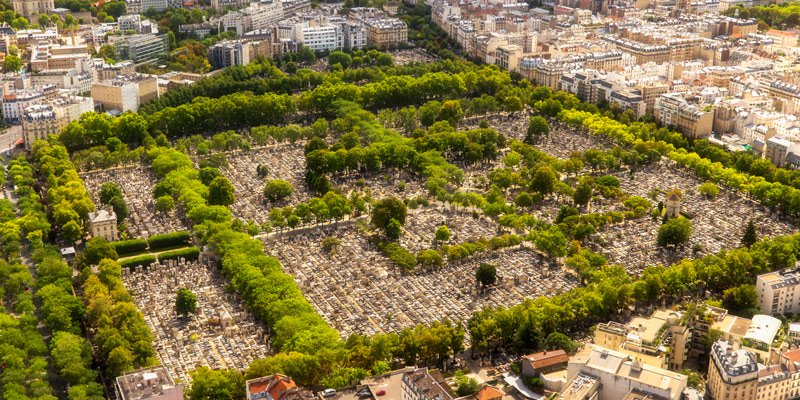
168, 240
130, 246
143, 260
189, 253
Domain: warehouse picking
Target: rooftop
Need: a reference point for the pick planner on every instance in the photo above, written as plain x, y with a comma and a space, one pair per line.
144, 384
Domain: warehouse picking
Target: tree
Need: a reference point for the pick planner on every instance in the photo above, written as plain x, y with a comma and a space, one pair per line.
537, 127
451, 112
675, 231
442, 233
208, 174
220, 192
97, 249
208, 384
486, 274
465, 385
750, 236
120, 208
393, 230
277, 189
386, 210
740, 297
429, 258
341, 58
582, 195
107, 52
709, 190
11, 63
165, 203
560, 341
524, 200
329, 243
108, 191
551, 241
185, 302
544, 180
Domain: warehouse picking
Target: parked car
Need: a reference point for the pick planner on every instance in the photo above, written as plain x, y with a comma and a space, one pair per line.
380, 392
328, 392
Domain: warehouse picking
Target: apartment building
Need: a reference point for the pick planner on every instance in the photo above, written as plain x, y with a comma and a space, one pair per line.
50, 118
385, 32
783, 90
140, 48
673, 110
16, 101
612, 375
507, 57
423, 384
228, 53
661, 340
59, 57
778, 292
125, 93
220, 5
261, 15
320, 38
74, 80
735, 374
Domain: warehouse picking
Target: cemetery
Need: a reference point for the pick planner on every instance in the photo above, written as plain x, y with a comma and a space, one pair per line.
356, 289
220, 334
718, 222
136, 183
283, 161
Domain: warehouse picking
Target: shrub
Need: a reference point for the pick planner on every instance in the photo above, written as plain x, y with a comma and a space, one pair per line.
168, 240
132, 262
189, 253
130, 246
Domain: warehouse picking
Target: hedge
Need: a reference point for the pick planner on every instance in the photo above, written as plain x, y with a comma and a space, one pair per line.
130, 246
168, 240
189, 253
132, 262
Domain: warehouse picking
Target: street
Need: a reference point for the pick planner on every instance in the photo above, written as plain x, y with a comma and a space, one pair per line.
9, 136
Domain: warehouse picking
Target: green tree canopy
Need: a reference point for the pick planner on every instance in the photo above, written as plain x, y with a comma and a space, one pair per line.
185, 302
675, 232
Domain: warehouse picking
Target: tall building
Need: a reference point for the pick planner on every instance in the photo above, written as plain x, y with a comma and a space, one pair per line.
125, 93
32, 8
661, 340
320, 38
140, 48
148, 384
228, 53
778, 292
673, 110
257, 16
735, 374
50, 118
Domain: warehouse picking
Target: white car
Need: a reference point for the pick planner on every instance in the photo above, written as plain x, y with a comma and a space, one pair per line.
328, 392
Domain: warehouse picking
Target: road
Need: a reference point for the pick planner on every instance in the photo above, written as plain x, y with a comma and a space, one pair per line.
9, 136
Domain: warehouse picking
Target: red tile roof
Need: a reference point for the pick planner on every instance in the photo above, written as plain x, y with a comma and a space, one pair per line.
547, 358
489, 393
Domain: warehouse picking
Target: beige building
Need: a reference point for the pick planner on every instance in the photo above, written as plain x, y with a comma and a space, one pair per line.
735, 374
103, 224
32, 8
49, 57
507, 57
778, 292
614, 374
125, 93
673, 110
50, 118
385, 32
660, 340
